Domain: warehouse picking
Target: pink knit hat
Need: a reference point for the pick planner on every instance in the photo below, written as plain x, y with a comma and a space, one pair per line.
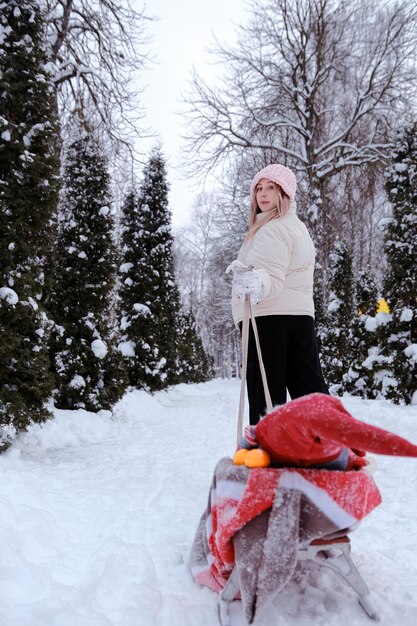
280, 175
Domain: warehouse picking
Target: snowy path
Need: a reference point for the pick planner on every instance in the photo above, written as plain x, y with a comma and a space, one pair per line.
98, 515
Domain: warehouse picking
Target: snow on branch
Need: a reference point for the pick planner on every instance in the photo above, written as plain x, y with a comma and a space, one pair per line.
320, 82
98, 47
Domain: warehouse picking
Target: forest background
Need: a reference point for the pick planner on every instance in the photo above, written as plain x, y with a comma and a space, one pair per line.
98, 294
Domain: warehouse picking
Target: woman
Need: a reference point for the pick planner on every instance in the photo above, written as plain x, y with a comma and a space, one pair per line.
281, 252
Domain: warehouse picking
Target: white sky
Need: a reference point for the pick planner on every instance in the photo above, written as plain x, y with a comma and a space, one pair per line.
180, 39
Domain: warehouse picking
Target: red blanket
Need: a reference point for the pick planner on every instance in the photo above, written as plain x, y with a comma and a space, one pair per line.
248, 509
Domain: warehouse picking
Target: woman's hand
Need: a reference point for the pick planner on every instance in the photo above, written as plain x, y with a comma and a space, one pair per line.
246, 281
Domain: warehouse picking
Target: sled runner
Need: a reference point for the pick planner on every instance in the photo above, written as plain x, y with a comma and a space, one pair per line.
261, 522
333, 553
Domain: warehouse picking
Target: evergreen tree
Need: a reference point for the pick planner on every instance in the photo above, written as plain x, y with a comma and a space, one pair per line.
149, 296
395, 362
28, 199
358, 380
136, 326
194, 364
336, 348
87, 364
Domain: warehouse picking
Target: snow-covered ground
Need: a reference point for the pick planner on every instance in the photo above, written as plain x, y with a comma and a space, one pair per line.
98, 513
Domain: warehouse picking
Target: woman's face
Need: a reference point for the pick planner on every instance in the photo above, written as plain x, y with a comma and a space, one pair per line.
266, 195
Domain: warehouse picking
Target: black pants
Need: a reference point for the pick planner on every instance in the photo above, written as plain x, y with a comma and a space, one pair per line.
291, 360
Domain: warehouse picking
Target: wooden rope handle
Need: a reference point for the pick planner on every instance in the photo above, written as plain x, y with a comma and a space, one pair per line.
248, 316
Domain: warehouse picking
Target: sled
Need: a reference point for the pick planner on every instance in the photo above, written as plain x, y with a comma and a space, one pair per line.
259, 524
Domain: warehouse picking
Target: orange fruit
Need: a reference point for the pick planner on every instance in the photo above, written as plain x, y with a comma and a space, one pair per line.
257, 458
239, 456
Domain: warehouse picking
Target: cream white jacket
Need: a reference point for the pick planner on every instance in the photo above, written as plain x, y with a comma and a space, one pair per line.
283, 253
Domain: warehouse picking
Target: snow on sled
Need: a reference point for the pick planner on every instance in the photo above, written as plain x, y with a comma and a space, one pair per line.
260, 522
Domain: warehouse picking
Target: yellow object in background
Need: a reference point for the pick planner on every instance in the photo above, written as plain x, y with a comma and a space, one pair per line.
382, 306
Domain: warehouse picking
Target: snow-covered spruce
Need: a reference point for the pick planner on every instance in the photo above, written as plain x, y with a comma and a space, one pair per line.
358, 378
87, 365
149, 303
336, 339
28, 200
195, 365
395, 364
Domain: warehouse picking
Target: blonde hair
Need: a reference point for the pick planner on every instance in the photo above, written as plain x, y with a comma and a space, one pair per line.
283, 204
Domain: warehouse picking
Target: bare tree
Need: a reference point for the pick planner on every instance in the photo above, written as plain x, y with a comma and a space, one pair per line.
203, 251
193, 246
98, 47
359, 204
317, 84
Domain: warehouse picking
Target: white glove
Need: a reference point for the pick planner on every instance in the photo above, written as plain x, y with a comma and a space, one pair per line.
246, 281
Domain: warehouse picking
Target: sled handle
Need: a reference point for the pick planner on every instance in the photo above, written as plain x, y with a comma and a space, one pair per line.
247, 317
